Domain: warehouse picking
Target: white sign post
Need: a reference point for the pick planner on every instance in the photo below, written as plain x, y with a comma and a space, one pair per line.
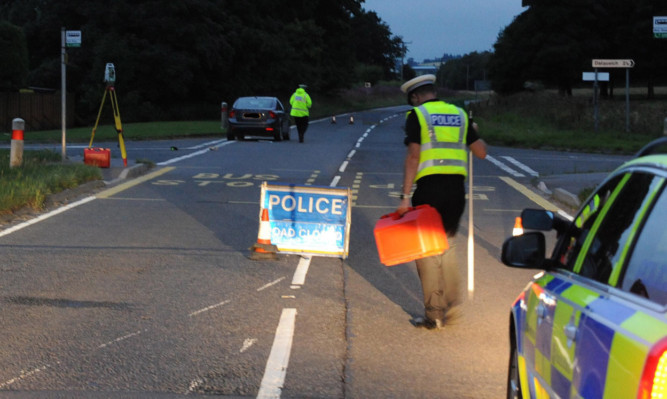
627, 64
68, 38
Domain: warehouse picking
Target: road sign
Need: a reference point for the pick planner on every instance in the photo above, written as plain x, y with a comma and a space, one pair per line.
590, 76
613, 63
73, 38
307, 219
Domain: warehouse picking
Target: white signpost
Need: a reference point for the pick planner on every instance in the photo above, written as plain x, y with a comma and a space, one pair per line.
68, 38
622, 63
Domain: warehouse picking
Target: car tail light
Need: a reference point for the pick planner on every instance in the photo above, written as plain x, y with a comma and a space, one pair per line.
272, 115
654, 378
232, 113
269, 129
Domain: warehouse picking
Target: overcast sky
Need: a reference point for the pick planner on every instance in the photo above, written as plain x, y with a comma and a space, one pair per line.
436, 27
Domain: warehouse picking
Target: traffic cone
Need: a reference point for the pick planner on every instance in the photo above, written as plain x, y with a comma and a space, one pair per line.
351, 119
518, 227
333, 119
263, 249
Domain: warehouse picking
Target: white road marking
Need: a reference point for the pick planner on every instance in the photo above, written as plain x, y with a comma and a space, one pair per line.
209, 144
46, 216
276, 366
265, 286
23, 375
119, 339
299, 277
206, 309
191, 155
504, 167
522, 166
247, 344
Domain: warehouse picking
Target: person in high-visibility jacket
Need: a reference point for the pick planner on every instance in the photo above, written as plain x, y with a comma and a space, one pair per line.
438, 136
301, 103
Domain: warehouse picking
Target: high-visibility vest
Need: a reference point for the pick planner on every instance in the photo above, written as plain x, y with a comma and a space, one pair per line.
300, 102
444, 128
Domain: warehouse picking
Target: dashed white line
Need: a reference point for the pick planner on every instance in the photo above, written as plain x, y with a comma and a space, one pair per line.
206, 309
119, 339
276, 366
299, 277
24, 375
265, 286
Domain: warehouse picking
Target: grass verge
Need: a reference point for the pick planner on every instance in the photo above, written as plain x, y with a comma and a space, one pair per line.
41, 175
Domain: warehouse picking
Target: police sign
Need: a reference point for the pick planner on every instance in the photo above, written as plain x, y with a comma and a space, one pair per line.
307, 219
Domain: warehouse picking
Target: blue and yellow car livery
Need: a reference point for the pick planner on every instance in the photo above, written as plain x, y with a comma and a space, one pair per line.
593, 323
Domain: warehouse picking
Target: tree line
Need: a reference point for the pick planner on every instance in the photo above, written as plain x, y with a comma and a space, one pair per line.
179, 59
553, 41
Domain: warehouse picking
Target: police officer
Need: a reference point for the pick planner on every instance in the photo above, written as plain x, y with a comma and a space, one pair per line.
437, 134
301, 103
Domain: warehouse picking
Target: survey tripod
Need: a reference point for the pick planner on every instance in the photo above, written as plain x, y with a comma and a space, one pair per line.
110, 78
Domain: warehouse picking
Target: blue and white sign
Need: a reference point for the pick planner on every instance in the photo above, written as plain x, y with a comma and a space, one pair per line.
307, 219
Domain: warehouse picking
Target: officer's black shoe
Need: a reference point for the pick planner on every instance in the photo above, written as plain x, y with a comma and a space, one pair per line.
428, 324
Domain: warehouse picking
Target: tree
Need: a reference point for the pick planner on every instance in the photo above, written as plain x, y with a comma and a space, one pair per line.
14, 61
461, 73
179, 59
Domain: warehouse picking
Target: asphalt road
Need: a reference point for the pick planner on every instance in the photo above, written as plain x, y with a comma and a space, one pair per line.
144, 288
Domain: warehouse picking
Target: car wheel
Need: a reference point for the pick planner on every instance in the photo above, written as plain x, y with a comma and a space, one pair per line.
513, 379
286, 130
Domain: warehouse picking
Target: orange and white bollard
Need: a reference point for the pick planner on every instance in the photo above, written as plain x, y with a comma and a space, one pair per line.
263, 249
518, 227
16, 152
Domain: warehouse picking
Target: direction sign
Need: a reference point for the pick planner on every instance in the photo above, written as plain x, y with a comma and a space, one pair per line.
613, 63
590, 76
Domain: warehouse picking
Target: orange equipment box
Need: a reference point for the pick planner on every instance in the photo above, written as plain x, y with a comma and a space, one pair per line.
417, 234
100, 157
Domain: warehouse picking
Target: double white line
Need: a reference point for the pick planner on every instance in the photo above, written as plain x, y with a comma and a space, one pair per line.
514, 162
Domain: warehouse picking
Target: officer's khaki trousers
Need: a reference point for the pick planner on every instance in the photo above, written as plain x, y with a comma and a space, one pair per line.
441, 282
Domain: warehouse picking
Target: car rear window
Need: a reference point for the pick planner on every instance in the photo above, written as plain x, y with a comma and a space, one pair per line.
254, 103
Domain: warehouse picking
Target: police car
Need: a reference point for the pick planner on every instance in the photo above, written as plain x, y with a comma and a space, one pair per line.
593, 323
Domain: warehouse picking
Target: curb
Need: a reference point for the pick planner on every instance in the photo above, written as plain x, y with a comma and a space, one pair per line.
560, 195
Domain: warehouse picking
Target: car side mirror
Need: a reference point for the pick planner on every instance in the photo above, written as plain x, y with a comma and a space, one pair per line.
537, 219
525, 251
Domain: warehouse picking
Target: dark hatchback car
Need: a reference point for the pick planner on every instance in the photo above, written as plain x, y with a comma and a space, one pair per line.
258, 116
